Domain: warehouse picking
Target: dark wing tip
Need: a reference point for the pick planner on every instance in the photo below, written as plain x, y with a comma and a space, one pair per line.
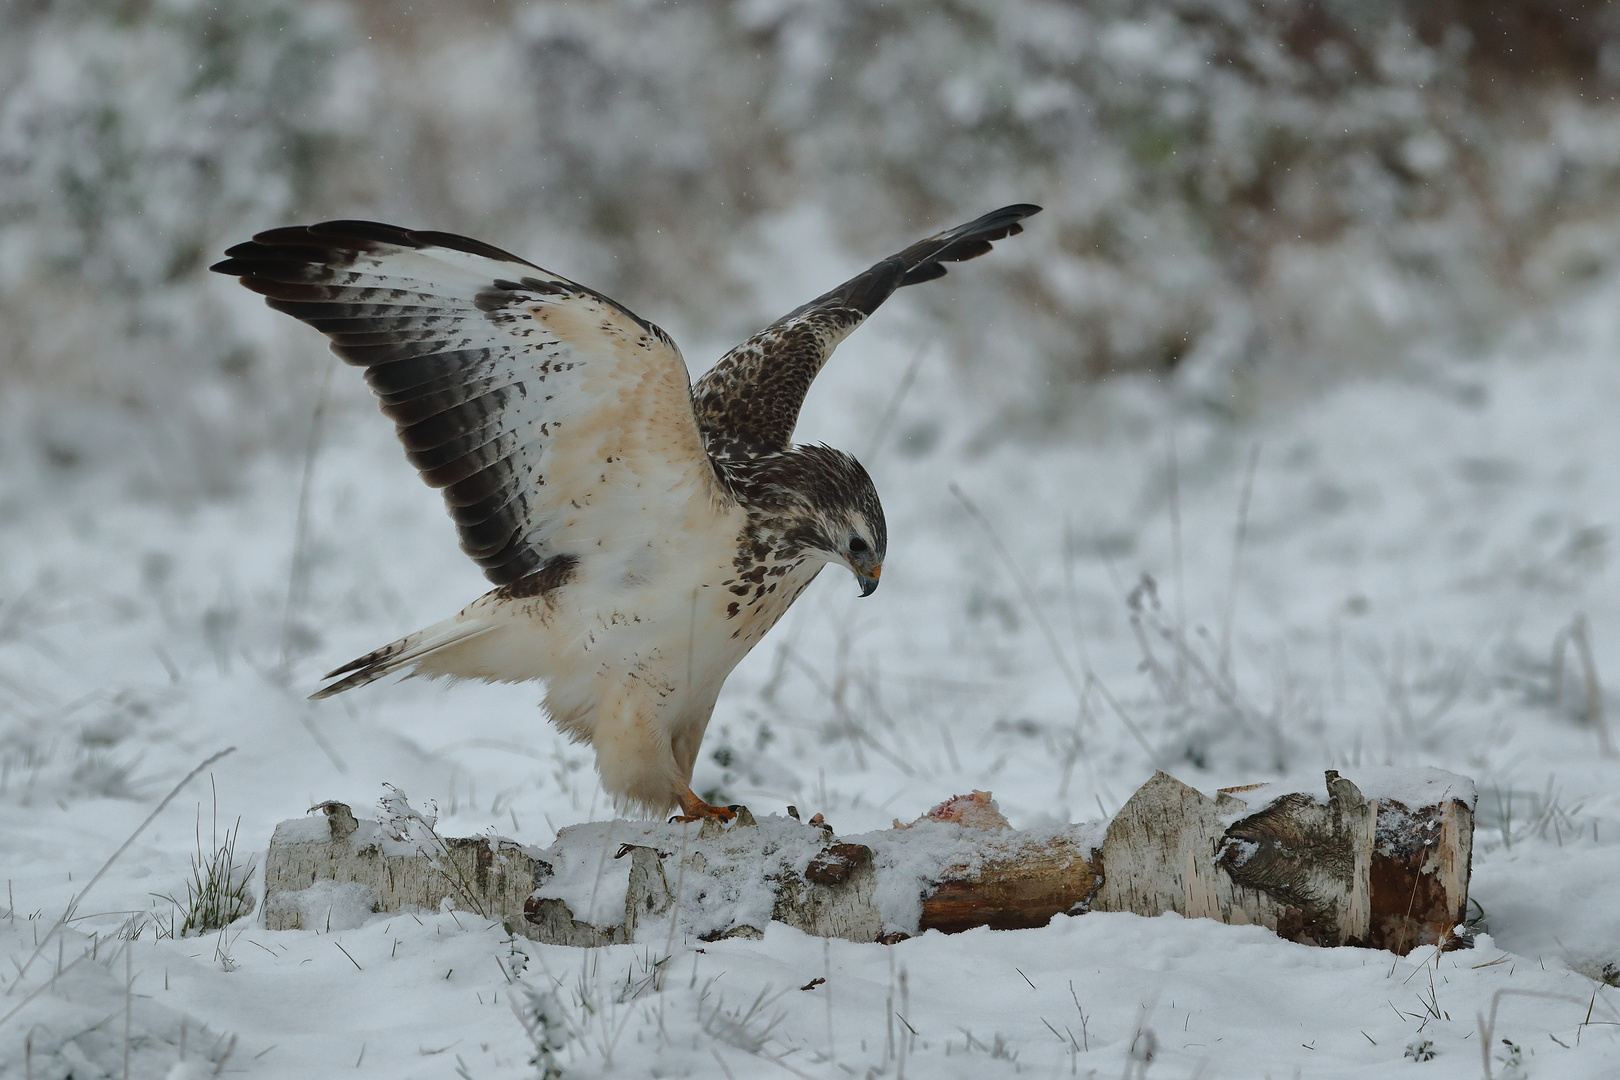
359, 678
376, 232
354, 665
924, 260
973, 239
1007, 218
299, 247
456, 242
1020, 210
335, 243
925, 272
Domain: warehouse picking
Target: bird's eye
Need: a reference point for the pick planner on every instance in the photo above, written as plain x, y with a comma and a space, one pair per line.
857, 546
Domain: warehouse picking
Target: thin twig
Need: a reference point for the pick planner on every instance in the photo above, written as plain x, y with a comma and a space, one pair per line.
1581, 631
1051, 638
675, 911
1070, 598
1487, 1030
1238, 542
1124, 718
856, 730
356, 963
298, 570
893, 410
1025, 590
129, 1001
230, 1048
42, 988
302, 710
1177, 562
1559, 646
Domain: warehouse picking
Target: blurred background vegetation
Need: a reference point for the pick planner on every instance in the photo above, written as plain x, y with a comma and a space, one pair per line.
1245, 197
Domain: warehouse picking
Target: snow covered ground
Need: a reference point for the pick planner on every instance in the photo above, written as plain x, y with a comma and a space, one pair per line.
1414, 549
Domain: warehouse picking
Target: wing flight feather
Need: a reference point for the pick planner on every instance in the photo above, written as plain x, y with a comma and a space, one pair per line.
532, 402
748, 403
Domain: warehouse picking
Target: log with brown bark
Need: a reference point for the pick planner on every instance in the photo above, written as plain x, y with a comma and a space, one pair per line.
1383, 864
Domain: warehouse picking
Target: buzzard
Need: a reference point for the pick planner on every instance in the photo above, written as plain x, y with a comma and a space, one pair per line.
643, 533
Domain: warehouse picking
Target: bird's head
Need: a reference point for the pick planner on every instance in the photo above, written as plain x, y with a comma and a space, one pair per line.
832, 507
856, 534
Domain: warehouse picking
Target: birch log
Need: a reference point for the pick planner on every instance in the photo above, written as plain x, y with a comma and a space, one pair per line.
1298, 866
1386, 866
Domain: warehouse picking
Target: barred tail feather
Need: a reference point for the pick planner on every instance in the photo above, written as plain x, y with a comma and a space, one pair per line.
407, 651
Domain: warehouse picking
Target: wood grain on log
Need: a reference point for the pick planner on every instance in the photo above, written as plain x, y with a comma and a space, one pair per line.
1419, 874
1014, 890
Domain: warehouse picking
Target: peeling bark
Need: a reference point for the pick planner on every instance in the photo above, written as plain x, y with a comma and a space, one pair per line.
1297, 866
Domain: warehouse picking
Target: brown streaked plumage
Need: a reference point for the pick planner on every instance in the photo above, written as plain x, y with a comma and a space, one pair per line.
643, 533
748, 403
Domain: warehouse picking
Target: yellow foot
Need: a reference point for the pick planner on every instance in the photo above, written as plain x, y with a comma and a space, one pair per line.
695, 809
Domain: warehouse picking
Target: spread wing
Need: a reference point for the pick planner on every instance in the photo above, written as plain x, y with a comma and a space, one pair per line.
533, 403
749, 402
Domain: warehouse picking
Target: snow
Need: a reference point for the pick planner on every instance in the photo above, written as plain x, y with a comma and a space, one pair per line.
304, 830
332, 905
590, 875
1415, 788
1412, 788
1560, 901
1412, 551
423, 1006
1417, 544
594, 891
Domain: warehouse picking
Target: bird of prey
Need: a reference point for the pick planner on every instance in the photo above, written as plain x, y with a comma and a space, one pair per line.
643, 533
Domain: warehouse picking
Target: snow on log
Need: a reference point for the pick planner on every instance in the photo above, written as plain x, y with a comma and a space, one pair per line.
334, 872
1383, 863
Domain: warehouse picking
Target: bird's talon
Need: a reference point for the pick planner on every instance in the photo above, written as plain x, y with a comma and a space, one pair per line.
695, 809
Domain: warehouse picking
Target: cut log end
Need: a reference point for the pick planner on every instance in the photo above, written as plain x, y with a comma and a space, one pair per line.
1419, 875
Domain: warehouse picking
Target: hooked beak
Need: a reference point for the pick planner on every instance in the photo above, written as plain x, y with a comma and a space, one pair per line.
869, 582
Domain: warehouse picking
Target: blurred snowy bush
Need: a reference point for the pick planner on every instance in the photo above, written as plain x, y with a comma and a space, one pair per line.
1232, 187
133, 138
1256, 195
